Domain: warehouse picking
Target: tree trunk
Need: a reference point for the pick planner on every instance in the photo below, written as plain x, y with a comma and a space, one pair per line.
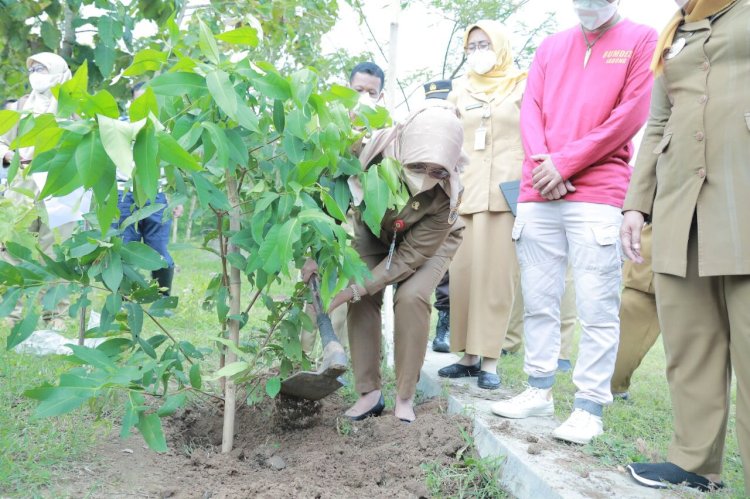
235, 285
191, 212
69, 33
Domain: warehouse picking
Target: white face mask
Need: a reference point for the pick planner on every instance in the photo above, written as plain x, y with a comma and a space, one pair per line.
418, 182
41, 82
594, 13
681, 3
481, 61
366, 101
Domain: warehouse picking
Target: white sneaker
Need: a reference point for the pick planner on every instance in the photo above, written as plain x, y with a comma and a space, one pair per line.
579, 428
530, 402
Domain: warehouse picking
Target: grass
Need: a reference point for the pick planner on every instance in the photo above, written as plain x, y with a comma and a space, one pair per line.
639, 429
469, 476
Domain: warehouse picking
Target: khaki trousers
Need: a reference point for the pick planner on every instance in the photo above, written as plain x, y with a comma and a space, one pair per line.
514, 337
706, 330
483, 278
639, 322
412, 309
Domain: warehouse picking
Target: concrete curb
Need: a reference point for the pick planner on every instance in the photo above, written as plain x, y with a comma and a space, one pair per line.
536, 466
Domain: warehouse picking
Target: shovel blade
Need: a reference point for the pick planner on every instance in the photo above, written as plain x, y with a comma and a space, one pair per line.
313, 385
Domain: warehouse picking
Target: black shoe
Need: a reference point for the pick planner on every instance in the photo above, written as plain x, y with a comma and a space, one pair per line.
376, 411
164, 277
459, 371
488, 381
661, 475
442, 333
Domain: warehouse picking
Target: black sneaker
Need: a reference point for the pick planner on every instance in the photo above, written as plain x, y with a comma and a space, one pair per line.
442, 333
662, 475
460, 371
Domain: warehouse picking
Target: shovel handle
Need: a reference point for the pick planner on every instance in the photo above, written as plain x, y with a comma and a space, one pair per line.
325, 327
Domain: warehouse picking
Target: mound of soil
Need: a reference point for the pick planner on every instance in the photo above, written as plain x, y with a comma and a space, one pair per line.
379, 457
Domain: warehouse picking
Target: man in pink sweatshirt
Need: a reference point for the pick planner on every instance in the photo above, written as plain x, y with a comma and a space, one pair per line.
587, 95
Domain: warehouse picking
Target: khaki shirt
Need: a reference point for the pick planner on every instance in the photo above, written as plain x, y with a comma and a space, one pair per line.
494, 122
695, 154
425, 233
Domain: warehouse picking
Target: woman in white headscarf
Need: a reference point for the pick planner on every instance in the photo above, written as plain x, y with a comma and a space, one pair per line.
46, 70
413, 250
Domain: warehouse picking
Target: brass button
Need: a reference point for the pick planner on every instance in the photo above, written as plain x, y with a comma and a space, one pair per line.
705, 66
699, 136
702, 99
702, 173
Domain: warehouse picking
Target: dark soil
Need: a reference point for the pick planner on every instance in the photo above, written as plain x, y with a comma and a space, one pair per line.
379, 457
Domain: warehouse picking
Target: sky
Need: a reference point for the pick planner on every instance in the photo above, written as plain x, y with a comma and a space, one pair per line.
423, 33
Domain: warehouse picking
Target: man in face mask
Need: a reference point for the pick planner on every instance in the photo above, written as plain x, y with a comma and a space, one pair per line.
586, 96
368, 80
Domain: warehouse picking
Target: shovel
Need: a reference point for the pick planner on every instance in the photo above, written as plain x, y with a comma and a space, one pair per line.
311, 385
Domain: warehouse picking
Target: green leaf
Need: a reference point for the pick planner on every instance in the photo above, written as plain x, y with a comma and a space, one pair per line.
29, 138
273, 386
143, 105
101, 103
160, 306
58, 400
179, 84
208, 194
271, 84
142, 256
22, 330
171, 404
146, 173
220, 141
302, 83
289, 234
231, 370
10, 300
195, 376
92, 357
146, 347
8, 120
10, 275
141, 214
171, 152
377, 195
135, 318
51, 35
146, 60
207, 43
129, 419
117, 138
150, 427
278, 115
294, 148
112, 272
104, 55
222, 91
90, 158
332, 207
73, 90
241, 36
53, 296
247, 118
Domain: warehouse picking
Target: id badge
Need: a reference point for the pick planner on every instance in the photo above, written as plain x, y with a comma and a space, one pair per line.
480, 139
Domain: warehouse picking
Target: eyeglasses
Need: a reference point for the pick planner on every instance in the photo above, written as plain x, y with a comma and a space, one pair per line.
436, 172
477, 46
38, 68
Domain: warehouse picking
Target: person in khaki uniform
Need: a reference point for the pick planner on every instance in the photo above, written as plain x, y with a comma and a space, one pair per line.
414, 248
692, 179
484, 271
639, 322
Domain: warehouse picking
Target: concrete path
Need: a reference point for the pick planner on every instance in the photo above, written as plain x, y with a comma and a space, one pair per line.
536, 465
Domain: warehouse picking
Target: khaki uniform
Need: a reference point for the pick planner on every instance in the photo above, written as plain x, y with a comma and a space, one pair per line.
639, 322
484, 273
692, 178
424, 248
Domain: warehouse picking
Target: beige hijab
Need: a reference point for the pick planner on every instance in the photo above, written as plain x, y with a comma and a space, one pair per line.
430, 135
45, 102
504, 77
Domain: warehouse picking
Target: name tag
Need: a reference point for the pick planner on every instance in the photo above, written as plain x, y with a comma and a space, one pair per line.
480, 139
